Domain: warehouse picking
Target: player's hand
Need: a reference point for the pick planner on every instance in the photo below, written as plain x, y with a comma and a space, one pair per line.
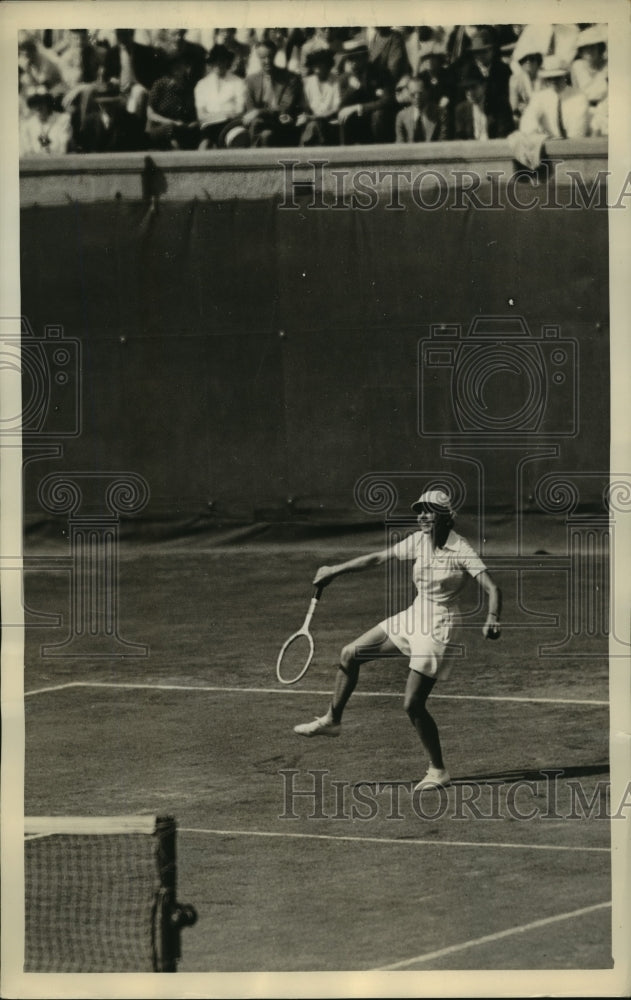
491, 628
324, 576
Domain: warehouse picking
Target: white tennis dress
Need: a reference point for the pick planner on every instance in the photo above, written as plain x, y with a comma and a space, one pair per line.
424, 630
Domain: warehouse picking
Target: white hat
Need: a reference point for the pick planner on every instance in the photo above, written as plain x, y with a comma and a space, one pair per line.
553, 66
237, 136
592, 36
434, 498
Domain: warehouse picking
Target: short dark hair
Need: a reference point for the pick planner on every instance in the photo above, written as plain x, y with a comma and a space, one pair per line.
320, 56
442, 526
219, 53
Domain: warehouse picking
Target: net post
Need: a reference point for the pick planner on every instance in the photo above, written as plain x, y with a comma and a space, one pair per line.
166, 949
100, 894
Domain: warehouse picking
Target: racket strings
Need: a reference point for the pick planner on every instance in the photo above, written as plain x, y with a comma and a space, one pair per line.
294, 658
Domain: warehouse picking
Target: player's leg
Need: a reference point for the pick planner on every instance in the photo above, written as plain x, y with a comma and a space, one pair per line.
417, 691
370, 646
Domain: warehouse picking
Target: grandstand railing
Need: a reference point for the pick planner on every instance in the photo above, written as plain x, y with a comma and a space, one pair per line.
260, 173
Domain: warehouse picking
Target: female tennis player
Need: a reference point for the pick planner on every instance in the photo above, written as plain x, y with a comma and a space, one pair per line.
442, 560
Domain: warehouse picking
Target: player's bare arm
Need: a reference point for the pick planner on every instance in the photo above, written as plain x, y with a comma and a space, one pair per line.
326, 574
491, 628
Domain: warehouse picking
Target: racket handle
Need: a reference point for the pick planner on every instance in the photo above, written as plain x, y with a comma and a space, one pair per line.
317, 591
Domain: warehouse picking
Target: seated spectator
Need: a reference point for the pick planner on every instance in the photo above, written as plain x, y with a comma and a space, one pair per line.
524, 82
458, 44
191, 53
443, 80
219, 98
278, 38
322, 38
45, 132
79, 60
240, 51
293, 51
321, 100
473, 119
413, 46
367, 108
590, 72
81, 67
423, 121
107, 126
483, 57
273, 100
387, 54
401, 91
134, 68
557, 111
171, 116
36, 69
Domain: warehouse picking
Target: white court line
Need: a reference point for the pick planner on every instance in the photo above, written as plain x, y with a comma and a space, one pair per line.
327, 694
488, 938
56, 687
391, 840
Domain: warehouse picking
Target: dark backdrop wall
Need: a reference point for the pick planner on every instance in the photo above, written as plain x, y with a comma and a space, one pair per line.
242, 355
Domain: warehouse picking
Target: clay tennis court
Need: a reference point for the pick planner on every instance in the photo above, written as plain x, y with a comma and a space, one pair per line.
201, 729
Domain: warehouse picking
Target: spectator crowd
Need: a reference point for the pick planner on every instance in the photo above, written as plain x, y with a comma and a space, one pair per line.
125, 90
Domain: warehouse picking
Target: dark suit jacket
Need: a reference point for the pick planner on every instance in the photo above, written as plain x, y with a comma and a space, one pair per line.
287, 89
148, 63
125, 134
375, 94
497, 83
409, 130
195, 56
499, 125
387, 55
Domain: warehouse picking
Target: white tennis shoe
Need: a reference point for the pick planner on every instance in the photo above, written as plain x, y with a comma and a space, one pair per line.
319, 727
436, 777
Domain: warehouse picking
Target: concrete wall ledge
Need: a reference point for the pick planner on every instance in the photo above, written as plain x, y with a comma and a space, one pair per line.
260, 173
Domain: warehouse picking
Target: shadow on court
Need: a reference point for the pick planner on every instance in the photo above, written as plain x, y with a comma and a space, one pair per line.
543, 774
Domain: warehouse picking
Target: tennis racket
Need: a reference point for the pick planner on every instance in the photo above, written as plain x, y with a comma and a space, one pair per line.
297, 653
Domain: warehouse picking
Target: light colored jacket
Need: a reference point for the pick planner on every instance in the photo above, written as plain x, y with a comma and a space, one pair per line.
556, 116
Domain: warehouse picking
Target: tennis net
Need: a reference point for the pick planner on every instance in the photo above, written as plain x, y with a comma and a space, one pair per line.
100, 894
